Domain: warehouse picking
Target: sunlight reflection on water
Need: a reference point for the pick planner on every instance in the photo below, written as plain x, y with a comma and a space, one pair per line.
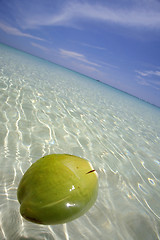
46, 109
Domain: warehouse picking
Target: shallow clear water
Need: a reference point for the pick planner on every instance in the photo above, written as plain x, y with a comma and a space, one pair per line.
46, 109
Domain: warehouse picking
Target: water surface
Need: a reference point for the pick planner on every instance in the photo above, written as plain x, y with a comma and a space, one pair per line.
44, 109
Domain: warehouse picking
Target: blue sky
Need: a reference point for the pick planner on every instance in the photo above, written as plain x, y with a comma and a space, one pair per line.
116, 42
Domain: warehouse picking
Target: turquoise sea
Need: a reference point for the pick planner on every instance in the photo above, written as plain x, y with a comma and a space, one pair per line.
44, 109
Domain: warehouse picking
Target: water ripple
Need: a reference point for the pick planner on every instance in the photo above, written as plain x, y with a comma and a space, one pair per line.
40, 114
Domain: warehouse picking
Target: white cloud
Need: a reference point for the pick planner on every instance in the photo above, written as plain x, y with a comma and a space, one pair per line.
146, 78
14, 31
71, 54
139, 15
93, 46
77, 56
40, 46
148, 73
149, 83
143, 74
89, 69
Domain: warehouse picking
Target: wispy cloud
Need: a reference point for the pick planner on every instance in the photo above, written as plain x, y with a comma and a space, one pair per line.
146, 15
149, 83
93, 46
108, 65
149, 78
77, 56
15, 31
89, 69
148, 73
40, 47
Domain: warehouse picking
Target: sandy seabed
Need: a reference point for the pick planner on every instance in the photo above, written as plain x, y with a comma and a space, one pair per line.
46, 109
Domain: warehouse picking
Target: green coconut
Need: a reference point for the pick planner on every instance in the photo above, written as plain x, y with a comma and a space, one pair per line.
57, 188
